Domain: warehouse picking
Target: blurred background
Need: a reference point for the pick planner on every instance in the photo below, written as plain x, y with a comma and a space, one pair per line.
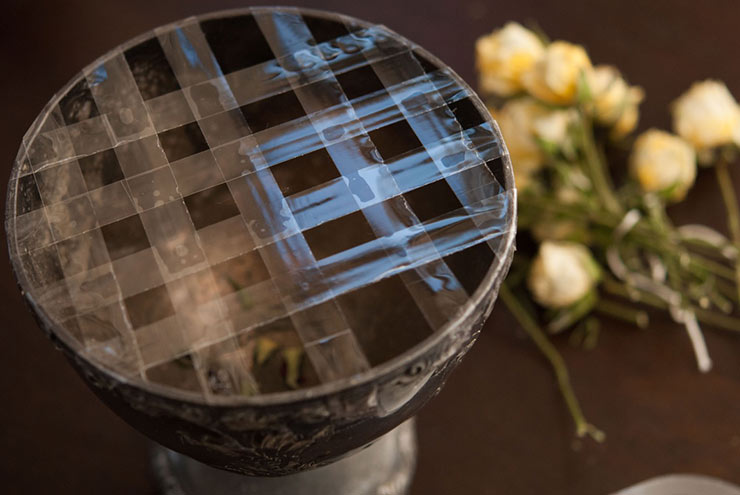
499, 425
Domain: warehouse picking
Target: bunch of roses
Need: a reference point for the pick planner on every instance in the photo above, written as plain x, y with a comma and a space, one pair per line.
540, 91
594, 241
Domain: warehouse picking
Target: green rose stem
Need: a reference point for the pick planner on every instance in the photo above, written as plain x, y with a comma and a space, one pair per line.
594, 165
716, 319
727, 291
636, 317
704, 316
664, 228
733, 217
583, 427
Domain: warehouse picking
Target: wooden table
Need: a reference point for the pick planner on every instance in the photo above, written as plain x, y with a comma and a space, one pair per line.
499, 426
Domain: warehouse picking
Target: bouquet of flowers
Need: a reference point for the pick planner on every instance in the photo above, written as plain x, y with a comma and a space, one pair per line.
593, 246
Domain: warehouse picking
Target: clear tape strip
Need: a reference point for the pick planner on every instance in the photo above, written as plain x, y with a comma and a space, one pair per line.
310, 65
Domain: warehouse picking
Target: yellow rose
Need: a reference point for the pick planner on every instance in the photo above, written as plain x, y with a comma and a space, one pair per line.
523, 121
562, 273
626, 122
502, 57
554, 77
664, 164
516, 120
707, 115
614, 101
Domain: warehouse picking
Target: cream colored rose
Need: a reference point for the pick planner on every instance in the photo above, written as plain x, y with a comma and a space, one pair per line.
554, 128
707, 115
626, 122
516, 120
503, 56
663, 163
615, 103
562, 273
522, 122
554, 77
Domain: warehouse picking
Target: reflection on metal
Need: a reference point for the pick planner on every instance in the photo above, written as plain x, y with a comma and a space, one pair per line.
682, 484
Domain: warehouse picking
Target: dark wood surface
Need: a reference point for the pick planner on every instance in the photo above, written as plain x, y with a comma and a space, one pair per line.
499, 426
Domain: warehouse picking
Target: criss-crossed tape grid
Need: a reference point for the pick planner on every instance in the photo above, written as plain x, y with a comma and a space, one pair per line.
414, 94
